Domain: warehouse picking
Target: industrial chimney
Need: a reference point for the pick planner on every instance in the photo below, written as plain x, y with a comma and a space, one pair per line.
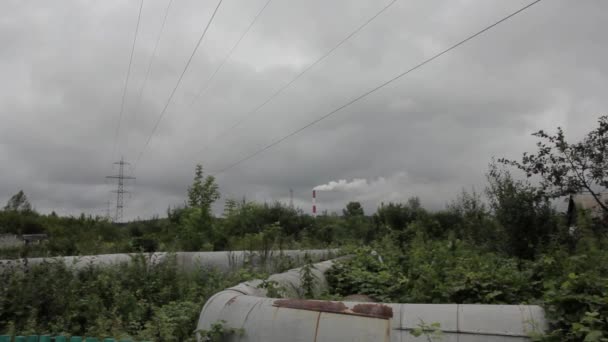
314, 203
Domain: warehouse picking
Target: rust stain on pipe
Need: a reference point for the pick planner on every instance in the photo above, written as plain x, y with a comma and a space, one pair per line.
366, 310
374, 310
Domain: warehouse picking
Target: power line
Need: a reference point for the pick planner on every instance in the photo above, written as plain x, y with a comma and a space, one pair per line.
124, 92
305, 70
162, 114
206, 85
152, 57
365, 94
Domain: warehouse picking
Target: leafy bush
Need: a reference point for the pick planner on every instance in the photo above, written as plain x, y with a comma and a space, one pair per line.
573, 289
218, 332
433, 272
576, 296
143, 300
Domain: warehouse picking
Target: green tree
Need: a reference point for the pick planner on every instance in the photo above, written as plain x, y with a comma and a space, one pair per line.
353, 209
19, 203
203, 192
568, 168
197, 231
355, 224
472, 220
397, 216
525, 214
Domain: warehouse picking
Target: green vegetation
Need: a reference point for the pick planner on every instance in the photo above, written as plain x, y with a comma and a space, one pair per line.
218, 332
308, 279
191, 227
505, 245
432, 331
142, 300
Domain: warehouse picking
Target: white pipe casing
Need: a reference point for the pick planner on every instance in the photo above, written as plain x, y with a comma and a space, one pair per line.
263, 319
188, 261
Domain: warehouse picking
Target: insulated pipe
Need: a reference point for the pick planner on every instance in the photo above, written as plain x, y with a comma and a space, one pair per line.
246, 307
224, 261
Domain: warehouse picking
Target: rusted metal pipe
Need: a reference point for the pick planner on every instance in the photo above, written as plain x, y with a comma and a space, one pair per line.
247, 307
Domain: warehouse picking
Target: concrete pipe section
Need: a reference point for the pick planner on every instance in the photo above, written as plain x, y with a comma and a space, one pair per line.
224, 261
246, 307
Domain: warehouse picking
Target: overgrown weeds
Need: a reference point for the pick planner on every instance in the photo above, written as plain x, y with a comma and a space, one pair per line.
142, 300
573, 288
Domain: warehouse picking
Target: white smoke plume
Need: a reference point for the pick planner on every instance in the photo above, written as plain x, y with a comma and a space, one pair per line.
398, 187
343, 185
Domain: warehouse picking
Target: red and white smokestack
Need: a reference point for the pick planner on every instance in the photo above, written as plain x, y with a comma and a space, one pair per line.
314, 203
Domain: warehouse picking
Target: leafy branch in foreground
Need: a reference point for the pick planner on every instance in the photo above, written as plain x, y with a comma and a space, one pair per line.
273, 289
569, 168
432, 331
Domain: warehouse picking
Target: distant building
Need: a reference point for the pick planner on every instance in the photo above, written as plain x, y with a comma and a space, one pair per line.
586, 202
33, 238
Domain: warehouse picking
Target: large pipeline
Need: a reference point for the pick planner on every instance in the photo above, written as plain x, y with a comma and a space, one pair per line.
188, 261
247, 308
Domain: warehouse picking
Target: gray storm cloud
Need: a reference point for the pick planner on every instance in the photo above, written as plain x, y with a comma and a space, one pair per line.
429, 134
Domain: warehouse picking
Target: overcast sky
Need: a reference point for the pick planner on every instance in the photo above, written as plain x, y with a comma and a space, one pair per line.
432, 133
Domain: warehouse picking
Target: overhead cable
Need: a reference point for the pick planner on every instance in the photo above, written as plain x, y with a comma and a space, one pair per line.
164, 111
372, 90
206, 85
298, 76
152, 58
124, 92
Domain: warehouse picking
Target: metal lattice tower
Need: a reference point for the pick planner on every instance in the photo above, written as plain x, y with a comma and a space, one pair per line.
121, 188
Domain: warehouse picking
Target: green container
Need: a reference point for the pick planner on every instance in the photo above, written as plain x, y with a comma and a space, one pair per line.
20, 339
61, 339
45, 338
5, 338
32, 338
109, 340
90, 339
75, 339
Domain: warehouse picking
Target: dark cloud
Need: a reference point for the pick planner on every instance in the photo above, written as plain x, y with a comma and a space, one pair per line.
429, 134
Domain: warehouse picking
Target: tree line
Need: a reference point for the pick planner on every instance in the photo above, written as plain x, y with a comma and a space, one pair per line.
512, 216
